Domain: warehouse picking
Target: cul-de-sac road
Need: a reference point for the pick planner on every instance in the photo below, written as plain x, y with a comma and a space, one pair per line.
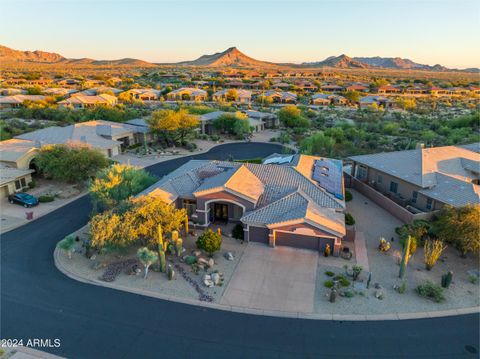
37, 301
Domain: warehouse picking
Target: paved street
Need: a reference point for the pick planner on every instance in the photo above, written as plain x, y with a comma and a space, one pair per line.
37, 301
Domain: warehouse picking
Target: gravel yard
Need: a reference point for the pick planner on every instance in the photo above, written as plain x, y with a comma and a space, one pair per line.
157, 282
374, 222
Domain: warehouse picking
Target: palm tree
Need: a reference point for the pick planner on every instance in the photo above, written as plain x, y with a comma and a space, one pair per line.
147, 257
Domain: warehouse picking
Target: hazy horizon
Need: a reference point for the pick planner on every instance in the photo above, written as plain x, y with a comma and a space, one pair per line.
429, 32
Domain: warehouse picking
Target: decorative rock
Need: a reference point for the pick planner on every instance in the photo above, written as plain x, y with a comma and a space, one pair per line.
138, 271
379, 294
216, 278
228, 256
93, 257
207, 281
202, 260
197, 253
210, 263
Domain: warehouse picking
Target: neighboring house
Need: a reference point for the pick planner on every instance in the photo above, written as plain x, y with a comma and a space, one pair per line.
277, 204
108, 137
380, 101
18, 100
244, 96
328, 99
306, 86
144, 94
270, 119
281, 97
424, 179
187, 94
416, 90
82, 101
207, 127
13, 180
141, 130
68, 82
16, 165
94, 91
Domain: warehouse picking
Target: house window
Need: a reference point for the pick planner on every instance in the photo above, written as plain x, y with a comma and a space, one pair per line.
380, 179
362, 172
18, 185
414, 196
23, 182
393, 187
429, 204
190, 206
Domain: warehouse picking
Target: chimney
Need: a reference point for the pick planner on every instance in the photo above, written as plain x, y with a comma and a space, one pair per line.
420, 145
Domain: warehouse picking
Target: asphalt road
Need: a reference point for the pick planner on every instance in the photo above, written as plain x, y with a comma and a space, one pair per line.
37, 301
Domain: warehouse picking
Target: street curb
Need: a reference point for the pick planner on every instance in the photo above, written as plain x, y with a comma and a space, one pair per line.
270, 313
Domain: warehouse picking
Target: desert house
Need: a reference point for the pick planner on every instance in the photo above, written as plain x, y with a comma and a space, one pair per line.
423, 179
16, 101
291, 200
187, 94
281, 97
83, 101
242, 96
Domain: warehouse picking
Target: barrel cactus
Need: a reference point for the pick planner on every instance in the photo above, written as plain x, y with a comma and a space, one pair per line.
179, 246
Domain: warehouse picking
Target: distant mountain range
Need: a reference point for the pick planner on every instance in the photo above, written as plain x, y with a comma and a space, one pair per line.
232, 57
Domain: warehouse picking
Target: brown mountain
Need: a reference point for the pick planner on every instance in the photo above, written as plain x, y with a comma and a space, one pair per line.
340, 62
7, 54
231, 57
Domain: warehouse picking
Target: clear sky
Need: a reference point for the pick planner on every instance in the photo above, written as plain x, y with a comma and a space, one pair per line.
428, 31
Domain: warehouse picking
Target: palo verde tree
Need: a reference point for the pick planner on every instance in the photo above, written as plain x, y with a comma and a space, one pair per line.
172, 125
147, 257
70, 163
459, 226
117, 183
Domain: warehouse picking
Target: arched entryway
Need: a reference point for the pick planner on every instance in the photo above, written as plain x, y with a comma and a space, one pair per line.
224, 211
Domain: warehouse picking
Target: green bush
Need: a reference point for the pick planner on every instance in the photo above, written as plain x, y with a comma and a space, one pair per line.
46, 198
209, 241
348, 196
344, 282
328, 283
402, 288
431, 291
329, 273
238, 231
348, 294
349, 221
32, 184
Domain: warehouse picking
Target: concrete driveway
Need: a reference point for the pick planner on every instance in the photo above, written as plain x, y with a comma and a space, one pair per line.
280, 278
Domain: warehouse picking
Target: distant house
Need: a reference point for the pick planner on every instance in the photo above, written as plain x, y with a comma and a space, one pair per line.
328, 99
95, 91
82, 101
207, 122
270, 119
475, 90
278, 204
281, 85
332, 88
281, 97
58, 91
244, 96
437, 91
10, 91
416, 90
144, 94
68, 82
108, 137
380, 101
389, 90
423, 179
18, 100
358, 88
187, 94
306, 86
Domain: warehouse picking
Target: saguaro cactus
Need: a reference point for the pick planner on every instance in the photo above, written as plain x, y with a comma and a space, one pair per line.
406, 254
179, 246
161, 250
186, 225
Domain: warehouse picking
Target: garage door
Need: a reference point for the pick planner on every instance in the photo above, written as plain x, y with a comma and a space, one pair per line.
296, 240
258, 234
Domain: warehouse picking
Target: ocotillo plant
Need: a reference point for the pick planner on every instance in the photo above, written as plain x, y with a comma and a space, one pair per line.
406, 253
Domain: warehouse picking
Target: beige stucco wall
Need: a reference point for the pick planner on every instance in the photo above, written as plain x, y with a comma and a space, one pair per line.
9, 188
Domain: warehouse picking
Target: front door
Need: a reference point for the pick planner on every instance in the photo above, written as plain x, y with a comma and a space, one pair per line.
221, 212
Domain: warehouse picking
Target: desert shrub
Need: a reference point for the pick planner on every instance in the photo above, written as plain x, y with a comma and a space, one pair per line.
402, 288
432, 251
344, 282
209, 241
329, 273
190, 146
348, 196
348, 294
349, 220
413, 244
238, 231
431, 291
32, 184
328, 283
46, 198
472, 278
